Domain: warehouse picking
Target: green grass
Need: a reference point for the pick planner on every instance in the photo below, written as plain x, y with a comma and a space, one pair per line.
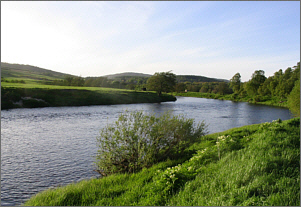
37, 85
43, 96
251, 165
274, 101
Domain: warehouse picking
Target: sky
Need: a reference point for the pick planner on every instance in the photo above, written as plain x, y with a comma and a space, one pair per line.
216, 39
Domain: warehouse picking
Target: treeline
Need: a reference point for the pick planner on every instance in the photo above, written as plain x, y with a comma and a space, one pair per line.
194, 78
281, 89
132, 83
191, 83
11, 81
259, 87
204, 87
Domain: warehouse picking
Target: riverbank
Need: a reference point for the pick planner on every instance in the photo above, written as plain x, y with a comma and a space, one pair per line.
220, 170
264, 100
52, 96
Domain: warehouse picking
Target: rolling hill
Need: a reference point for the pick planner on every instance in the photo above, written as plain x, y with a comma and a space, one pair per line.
180, 78
19, 71
129, 74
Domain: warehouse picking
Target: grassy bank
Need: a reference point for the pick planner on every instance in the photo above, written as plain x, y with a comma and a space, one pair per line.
251, 165
262, 100
30, 96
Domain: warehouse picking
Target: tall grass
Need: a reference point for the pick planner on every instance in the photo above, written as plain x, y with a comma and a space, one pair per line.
251, 165
264, 173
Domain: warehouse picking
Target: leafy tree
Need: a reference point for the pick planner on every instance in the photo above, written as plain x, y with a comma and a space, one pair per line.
293, 99
205, 88
223, 88
78, 81
235, 82
68, 80
136, 141
180, 87
257, 79
194, 87
96, 82
162, 82
264, 89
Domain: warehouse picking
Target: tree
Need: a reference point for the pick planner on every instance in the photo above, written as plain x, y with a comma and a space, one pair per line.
293, 99
235, 82
162, 82
180, 87
222, 88
68, 80
257, 79
78, 81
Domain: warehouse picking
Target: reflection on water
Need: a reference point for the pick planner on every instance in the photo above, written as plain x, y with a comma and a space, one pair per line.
48, 147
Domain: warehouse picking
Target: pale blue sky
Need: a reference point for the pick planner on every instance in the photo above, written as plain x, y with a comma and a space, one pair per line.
209, 38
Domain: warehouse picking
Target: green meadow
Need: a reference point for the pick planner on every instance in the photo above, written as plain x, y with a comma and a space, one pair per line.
24, 86
18, 95
255, 165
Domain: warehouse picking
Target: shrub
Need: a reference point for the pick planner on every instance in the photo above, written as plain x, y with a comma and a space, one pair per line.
139, 140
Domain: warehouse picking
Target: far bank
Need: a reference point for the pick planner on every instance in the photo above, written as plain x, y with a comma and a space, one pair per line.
18, 97
231, 97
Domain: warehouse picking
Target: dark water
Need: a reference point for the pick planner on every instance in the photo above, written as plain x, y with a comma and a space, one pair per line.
49, 147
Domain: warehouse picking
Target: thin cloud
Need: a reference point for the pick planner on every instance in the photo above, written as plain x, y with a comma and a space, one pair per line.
214, 39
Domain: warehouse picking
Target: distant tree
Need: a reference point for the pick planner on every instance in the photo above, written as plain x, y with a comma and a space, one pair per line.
130, 86
195, 87
115, 84
162, 82
235, 83
257, 79
68, 80
222, 88
78, 81
205, 88
180, 87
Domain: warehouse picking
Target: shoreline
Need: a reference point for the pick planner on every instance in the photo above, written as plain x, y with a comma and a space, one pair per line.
229, 98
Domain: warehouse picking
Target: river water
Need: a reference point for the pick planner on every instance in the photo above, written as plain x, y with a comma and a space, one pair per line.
48, 147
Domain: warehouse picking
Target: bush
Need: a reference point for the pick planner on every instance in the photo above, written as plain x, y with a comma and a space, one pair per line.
137, 140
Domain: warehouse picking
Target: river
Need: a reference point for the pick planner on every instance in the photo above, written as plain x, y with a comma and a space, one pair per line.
49, 147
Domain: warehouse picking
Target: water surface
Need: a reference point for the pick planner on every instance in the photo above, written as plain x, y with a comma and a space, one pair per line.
49, 147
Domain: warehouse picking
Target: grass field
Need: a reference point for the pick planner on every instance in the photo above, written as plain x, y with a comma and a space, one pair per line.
256, 165
18, 95
34, 84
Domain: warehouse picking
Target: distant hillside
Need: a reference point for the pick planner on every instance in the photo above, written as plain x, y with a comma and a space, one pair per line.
194, 78
19, 71
128, 74
180, 78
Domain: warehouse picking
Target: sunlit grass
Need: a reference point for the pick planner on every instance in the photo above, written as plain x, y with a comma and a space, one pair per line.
251, 165
36, 85
52, 95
